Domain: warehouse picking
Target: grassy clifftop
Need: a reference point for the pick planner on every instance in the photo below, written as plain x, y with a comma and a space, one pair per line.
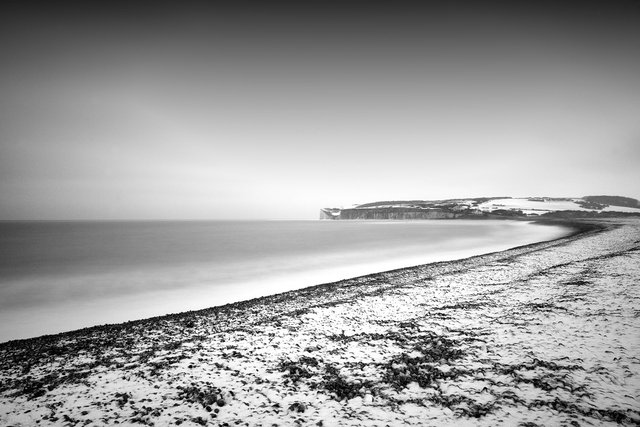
565, 207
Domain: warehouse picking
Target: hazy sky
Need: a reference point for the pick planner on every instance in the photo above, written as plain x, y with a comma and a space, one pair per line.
277, 110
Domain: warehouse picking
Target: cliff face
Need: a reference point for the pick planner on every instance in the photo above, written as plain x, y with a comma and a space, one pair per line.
329, 213
397, 213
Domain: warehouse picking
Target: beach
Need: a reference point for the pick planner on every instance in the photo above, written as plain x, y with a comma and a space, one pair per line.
542, 334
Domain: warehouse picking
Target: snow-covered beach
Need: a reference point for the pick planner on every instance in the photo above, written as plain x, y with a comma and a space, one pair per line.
545, 334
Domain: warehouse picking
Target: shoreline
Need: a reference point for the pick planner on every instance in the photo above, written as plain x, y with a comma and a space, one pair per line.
578, 226
513, 336
86, 295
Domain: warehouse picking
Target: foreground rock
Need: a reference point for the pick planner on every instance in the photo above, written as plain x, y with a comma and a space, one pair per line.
541, 335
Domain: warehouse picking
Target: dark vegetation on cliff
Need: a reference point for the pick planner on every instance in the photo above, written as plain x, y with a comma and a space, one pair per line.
614, 201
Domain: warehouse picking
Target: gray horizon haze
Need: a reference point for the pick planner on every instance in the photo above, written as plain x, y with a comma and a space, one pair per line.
250, 111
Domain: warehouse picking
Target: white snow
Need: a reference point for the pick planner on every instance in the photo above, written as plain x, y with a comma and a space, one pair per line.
539, 207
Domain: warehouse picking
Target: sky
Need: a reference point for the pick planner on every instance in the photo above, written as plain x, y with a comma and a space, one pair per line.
186, 110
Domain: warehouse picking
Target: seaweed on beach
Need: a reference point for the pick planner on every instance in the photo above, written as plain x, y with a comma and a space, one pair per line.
577, 283
403, 370
462, 405
543, 306
437, 348
550, 376
342, 388
362, 337
207, 396
33, 387
463, 306
297, 370
616, 415
122, 399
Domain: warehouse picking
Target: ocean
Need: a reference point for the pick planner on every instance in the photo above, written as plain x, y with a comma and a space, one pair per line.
57, 276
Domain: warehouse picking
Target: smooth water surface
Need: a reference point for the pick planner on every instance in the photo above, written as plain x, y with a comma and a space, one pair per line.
57, 276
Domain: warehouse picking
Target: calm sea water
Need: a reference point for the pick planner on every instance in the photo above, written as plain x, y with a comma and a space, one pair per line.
58, 276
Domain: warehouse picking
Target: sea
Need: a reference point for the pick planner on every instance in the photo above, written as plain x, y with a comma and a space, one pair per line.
58, 276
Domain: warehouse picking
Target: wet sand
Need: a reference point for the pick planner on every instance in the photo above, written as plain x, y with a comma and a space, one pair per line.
547, 334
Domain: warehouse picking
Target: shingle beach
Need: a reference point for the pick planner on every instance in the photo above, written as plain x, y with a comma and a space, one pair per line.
546, 334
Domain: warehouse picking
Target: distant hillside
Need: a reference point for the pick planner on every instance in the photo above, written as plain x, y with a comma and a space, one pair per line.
489, 207
614, 201
426, 203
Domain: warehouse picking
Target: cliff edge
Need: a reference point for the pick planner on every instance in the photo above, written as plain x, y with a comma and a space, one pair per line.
489, 207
